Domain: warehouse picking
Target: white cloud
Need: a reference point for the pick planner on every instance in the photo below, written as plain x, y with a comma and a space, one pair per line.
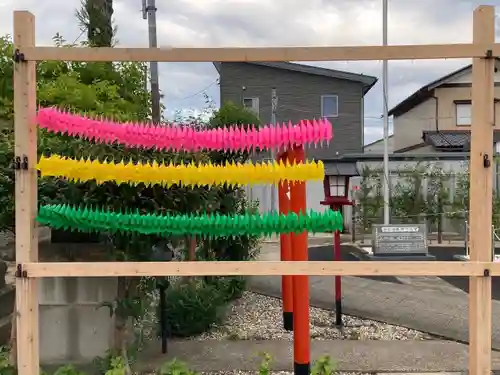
274, 23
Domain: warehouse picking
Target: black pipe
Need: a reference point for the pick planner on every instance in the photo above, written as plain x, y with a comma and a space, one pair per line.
338, 311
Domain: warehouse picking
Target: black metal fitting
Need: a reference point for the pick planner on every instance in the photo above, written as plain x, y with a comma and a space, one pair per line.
20, 163
24, 164
486, 161
489, 54
18, 56
486, 272
20, 272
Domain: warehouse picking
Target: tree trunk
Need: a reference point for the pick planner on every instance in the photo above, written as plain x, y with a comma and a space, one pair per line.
192, 248
190, 244
127, 288
13, 338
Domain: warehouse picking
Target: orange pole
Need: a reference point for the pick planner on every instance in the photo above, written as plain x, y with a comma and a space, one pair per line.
301, 337
286, 252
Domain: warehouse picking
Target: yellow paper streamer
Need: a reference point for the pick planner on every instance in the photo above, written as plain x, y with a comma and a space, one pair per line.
168, 174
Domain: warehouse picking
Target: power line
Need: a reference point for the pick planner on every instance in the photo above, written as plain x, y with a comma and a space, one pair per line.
78, 37
197, 92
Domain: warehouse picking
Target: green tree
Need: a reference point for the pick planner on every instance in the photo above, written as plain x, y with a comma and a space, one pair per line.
96, 19
232, 199
114, 91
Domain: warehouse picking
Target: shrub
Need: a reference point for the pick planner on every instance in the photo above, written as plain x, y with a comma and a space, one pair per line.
193, 308
230, 288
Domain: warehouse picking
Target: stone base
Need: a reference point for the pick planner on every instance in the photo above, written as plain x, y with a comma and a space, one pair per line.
366, 253
401, 257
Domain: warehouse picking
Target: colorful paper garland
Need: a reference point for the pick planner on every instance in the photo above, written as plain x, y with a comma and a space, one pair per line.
187, 175
177, 138
90, 219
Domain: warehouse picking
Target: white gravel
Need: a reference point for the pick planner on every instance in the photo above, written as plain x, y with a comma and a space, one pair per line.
272, 373
258, 317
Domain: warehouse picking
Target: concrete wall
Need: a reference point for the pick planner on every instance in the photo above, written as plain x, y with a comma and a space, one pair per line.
72, 327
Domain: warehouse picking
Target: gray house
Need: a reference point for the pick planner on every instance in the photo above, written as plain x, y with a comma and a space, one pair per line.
304, 92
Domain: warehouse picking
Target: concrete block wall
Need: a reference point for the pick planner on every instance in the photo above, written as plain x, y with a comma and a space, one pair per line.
73, 329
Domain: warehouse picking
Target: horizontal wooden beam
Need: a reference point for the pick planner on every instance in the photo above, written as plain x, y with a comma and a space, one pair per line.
267, 268
354, 53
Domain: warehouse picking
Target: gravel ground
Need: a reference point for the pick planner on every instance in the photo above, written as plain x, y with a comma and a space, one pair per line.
272, 373
258, 317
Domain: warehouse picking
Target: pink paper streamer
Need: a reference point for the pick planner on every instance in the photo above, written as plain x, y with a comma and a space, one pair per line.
183, 137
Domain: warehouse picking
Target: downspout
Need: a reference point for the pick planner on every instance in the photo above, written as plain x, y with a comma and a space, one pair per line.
362, 122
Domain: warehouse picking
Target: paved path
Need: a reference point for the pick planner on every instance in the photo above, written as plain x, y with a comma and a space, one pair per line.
430, 306
349, 355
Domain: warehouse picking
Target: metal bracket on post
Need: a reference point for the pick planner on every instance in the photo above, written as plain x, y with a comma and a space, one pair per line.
18, 56
486, 161
489, 54
20, 272
20, 163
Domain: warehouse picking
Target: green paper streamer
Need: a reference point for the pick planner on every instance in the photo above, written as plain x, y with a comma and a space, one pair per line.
88, 219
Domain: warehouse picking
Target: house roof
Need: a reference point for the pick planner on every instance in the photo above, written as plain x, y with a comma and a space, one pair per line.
367, 81
452, 140
378, 140
427, 91
341, 168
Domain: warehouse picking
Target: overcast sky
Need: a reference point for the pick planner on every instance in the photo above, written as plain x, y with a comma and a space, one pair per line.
215, 23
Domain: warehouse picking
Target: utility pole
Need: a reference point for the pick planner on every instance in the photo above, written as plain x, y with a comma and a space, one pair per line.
149, 13
385, 83
274, 109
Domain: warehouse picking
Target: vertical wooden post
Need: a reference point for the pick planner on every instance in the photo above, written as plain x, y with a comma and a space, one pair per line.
26, 194
301, 336
481, 190
286, 250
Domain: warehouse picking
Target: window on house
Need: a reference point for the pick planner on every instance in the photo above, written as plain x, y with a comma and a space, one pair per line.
463, 113
251, 103
329, 106
337, 186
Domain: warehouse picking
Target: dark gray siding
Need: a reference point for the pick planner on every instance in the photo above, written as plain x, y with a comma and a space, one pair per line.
299, 97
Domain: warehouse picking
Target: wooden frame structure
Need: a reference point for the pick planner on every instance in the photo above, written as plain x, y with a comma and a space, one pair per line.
483, 50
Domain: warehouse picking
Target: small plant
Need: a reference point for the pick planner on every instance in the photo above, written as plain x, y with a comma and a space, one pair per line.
118, 367
67, 370
175, 367
265, 364
6, 367
323, 366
